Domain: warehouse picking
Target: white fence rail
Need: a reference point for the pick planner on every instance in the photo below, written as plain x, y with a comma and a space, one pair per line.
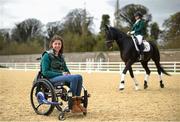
172, 67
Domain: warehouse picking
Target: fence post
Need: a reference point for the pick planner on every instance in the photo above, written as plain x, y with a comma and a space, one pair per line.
174, 67
79, 66
86, 64
15, 66
108, 65
25, 67
37, 65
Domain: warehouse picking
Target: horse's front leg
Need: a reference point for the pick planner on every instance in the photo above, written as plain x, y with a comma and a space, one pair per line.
122, 81
136, 84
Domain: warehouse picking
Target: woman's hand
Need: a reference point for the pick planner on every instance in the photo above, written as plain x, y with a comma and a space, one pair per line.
130, 32
66, 73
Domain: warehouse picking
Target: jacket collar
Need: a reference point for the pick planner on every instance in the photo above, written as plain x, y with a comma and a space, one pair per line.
137, 21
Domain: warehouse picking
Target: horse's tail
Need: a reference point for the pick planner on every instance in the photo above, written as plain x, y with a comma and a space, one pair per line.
164, 71
156, 58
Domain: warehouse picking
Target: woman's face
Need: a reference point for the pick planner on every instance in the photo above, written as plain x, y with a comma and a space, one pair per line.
56, 45
137, 17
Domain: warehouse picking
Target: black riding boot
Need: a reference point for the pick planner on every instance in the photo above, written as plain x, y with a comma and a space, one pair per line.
141, 52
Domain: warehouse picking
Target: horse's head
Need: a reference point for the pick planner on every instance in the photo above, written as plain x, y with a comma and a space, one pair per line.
113, 34
109, 37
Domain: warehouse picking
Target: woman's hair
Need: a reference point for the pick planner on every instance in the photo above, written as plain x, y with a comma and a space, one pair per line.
56, 37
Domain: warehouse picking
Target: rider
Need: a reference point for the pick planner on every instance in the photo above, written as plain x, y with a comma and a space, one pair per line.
138, 30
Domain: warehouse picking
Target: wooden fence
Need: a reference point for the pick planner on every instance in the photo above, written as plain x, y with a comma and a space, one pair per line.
89, 66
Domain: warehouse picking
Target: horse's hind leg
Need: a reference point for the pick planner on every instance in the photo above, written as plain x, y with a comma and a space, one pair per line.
146, 79
159, 73
134, 79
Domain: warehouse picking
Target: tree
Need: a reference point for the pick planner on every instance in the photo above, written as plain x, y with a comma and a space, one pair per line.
1, 41
127, 13
77, 21
77, 31
172, 31
53, 28
5, 33
154, 31
100, 43
105, 21
26, 30
100, 38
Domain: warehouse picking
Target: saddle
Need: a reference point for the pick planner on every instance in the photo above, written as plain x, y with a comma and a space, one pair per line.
146, 45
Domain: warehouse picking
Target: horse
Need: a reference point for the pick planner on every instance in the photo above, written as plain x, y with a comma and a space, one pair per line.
130, 55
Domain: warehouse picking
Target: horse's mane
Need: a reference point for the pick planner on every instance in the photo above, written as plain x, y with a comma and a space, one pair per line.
123, 34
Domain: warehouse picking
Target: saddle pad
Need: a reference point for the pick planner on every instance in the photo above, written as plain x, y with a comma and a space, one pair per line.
145, 43
146, 46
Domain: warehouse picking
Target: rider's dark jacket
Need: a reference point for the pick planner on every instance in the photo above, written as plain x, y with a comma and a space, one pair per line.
139, 27
51, 65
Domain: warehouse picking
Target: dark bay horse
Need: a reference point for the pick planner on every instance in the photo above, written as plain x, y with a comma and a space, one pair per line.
130, 55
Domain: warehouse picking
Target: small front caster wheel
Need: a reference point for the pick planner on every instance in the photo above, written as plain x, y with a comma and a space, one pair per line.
61, 116
85, 113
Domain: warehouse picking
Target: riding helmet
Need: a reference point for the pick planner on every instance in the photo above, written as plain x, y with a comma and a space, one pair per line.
138, 13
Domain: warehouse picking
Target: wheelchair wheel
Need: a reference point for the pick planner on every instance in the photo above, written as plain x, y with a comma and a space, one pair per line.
61, 116
85, 99
45, 87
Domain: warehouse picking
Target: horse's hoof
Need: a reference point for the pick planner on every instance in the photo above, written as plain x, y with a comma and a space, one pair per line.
145, 86
121, 89
162, 85
121, 85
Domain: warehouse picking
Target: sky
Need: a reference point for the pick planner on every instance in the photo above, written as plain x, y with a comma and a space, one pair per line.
15, 11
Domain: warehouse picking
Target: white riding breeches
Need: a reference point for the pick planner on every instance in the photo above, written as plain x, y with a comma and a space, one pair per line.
139, 38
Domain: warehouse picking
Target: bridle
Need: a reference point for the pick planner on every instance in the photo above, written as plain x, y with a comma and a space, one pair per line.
111, 36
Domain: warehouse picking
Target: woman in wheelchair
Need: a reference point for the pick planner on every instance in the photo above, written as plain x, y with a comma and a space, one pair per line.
53, 67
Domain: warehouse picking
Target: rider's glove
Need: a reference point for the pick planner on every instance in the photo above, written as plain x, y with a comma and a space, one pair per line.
132, 32
128, 33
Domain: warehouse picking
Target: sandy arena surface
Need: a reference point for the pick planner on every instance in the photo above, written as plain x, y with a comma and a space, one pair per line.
106, 103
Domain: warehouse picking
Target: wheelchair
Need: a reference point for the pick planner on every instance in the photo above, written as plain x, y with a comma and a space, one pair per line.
45, 97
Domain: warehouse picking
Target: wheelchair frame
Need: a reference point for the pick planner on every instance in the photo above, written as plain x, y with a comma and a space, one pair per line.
46, 96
